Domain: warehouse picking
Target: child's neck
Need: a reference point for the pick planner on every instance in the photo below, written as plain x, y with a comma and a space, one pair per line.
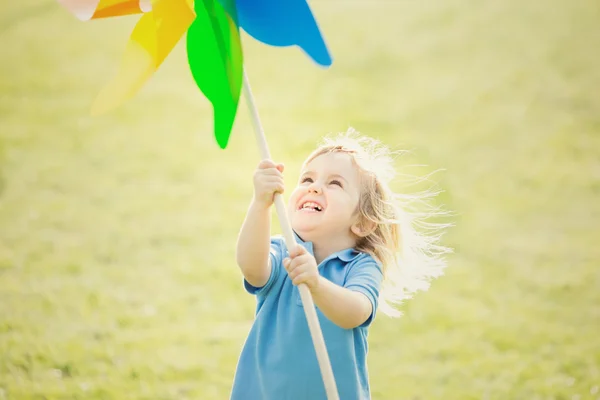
324, 248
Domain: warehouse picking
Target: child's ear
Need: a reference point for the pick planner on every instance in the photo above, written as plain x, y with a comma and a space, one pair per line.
363, 228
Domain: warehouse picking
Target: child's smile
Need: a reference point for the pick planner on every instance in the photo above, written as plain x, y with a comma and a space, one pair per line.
310, 206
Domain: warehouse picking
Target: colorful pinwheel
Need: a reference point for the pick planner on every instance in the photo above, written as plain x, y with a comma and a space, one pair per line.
213, 44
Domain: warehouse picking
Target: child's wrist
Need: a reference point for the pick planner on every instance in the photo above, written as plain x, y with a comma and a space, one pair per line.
259, 205
316, 286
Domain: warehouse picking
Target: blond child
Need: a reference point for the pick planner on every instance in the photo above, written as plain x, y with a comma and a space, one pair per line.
358, 250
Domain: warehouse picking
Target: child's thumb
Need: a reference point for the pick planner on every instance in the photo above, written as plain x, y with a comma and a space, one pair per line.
297, 251
280, 167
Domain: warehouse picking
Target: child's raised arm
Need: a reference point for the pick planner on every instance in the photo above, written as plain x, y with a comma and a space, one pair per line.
252, 252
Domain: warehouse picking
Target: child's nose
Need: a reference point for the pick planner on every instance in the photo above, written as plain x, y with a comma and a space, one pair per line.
315, 187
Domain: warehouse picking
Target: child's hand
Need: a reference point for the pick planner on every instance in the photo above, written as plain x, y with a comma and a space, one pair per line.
268, 180
302, 268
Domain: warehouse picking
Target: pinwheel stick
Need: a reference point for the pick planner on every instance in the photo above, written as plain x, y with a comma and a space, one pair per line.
307, 301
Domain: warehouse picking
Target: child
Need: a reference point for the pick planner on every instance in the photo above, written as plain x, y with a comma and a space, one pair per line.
354, 240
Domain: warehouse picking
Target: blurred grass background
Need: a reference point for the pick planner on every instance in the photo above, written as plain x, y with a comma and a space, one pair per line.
117, 234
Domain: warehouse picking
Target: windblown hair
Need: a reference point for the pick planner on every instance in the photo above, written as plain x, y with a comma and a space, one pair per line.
401, 238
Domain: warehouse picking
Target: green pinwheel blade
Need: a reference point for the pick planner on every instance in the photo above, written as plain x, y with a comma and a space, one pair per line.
215, 58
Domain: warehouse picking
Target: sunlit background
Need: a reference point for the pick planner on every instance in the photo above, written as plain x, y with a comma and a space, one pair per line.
117, 233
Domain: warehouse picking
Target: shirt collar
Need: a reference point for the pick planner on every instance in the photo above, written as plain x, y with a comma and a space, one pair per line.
345, 255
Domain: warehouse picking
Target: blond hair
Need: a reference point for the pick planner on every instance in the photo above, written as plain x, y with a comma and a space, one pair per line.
401, 239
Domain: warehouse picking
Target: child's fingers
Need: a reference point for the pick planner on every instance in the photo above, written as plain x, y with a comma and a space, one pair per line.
269, 165
295, 265
298, 265
303, 277
297, 280
264, 164
291, 264
277, 186
294, 272
269, 172
298, 250
271, 183
272, 180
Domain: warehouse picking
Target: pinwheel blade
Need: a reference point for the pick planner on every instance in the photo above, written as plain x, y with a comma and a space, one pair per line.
283, 23
216, 61
152, 39
86, 10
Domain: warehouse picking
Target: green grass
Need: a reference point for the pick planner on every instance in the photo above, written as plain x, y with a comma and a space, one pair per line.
117, 233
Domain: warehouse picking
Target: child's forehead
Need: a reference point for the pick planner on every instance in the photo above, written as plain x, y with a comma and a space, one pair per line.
335, 162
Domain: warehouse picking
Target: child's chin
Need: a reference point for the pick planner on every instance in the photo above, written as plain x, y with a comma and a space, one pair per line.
303, 228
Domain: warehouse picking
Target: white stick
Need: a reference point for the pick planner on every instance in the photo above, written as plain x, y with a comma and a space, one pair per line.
288, 233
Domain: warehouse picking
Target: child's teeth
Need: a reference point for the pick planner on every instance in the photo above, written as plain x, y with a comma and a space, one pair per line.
311, 205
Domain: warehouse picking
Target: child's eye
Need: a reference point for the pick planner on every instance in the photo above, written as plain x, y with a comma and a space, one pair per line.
307, 179
336, 182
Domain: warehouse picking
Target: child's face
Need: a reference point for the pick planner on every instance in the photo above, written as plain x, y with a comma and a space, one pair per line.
323, 204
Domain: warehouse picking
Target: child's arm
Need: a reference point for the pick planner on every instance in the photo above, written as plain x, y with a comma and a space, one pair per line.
344, 307
347, 308
252, 252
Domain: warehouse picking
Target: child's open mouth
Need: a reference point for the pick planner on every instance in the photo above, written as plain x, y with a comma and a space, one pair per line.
311, 206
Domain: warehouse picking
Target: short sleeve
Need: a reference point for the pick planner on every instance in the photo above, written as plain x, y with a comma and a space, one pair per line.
276, 255
365, 276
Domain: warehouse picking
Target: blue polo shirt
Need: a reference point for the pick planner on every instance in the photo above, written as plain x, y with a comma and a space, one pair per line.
278, 360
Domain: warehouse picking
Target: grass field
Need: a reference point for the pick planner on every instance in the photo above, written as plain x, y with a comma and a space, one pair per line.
117, 272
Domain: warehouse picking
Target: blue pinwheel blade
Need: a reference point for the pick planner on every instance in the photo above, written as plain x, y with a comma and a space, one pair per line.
283, 23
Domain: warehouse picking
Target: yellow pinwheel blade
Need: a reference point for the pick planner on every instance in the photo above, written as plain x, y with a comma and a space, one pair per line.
114, 8
86, 10
152, 39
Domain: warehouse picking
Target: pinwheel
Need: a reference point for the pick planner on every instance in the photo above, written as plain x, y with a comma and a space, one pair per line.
215, 59
213, 44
